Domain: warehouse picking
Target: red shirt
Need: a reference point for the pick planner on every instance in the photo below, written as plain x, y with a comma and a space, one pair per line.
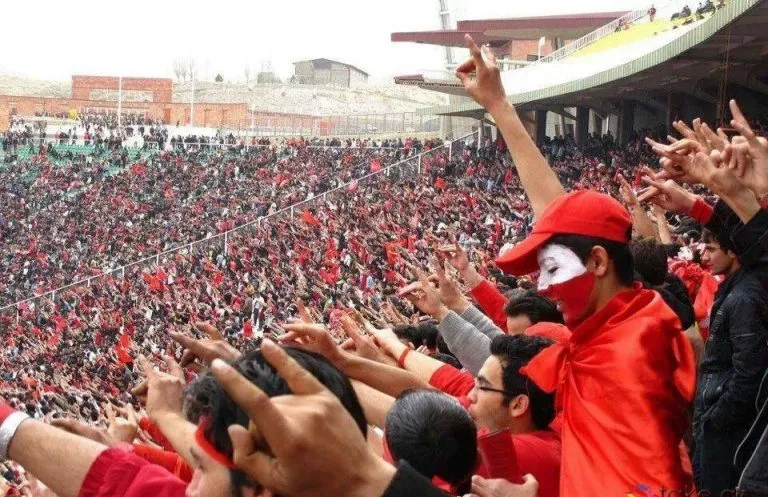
538, 453
120, 473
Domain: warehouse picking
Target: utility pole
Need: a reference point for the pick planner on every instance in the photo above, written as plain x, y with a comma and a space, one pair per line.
119, 100
192, 104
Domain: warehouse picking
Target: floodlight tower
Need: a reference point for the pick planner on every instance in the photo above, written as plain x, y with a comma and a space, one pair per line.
446, 123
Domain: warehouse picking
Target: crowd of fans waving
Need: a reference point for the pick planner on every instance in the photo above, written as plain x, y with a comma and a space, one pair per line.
490, 318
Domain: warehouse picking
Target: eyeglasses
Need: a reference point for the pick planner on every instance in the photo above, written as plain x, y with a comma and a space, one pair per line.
503, 392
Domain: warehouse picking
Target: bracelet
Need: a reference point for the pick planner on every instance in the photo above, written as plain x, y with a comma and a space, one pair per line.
8, 430
401, 360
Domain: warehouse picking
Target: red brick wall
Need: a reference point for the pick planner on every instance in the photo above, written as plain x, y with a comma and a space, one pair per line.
210, 115
161, 88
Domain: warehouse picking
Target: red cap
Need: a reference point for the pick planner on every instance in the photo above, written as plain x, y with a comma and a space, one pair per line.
585, 213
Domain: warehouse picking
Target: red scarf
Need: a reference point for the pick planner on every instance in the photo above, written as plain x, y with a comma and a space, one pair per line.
624, 380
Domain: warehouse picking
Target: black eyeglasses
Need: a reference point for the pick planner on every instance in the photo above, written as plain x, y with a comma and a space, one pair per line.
503, 392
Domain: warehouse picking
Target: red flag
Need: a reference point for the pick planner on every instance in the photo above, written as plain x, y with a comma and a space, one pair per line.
123, 355
248, 329
59, 321
440, 184
376, 166
218, 278
125, 340
308, 218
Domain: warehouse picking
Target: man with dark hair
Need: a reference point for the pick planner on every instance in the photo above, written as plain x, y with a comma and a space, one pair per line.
295, 466
735, 359
627, 372
505, 399
529, 309
218, 412
650, 260
435, 435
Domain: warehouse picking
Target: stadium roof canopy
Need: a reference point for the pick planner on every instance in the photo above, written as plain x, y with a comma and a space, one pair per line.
689, 60
498, 32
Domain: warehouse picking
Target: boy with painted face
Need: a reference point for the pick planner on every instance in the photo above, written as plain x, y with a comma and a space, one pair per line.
626, 375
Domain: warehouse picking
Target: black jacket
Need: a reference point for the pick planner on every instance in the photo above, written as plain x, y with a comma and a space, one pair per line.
735, 356
752, 454
751, 243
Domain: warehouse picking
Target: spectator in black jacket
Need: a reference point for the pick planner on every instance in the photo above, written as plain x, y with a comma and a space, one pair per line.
735, 359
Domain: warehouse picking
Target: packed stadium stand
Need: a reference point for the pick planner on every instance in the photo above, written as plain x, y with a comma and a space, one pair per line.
123, 238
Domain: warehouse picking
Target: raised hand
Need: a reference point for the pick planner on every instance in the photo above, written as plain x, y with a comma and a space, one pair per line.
163, 391
448, 290
424, 296
486, 87
668, 195
125, 429
307, 433
750, 154
455, 255
313, 337
362, 345
627, 193
204, 349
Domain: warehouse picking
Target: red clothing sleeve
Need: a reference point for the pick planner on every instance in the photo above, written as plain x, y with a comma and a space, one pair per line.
119, 473
492, 302
169, 460
154, 432
702, 211
453, 382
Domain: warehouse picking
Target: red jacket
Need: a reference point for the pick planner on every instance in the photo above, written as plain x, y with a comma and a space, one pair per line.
492, 302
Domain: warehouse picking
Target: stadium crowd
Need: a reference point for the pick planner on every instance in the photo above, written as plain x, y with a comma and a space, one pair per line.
492, 318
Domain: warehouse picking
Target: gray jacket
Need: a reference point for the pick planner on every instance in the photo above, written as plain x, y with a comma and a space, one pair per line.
469, 336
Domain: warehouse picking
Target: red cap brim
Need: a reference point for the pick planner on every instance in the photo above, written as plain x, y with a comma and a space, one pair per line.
522, 258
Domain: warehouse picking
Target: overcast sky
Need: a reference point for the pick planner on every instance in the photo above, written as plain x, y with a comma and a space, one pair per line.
53, 39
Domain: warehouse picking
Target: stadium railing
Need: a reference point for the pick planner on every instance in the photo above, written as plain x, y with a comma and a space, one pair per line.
411, 165
592, 37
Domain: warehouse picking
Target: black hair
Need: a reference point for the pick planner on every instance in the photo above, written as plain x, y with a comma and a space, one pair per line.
618, 252
427, 334
206, 397
407, 332
434, 434
650, 259
514, 352
446, 358
537, 308
442, 346
723, 240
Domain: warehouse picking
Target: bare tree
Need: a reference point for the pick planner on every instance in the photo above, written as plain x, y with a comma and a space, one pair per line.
180, 69
247, 74
192, 68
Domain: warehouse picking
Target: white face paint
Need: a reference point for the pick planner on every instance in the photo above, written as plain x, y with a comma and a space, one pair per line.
558, 264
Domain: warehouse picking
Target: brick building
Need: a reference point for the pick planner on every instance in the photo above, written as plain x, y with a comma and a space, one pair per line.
148, 97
